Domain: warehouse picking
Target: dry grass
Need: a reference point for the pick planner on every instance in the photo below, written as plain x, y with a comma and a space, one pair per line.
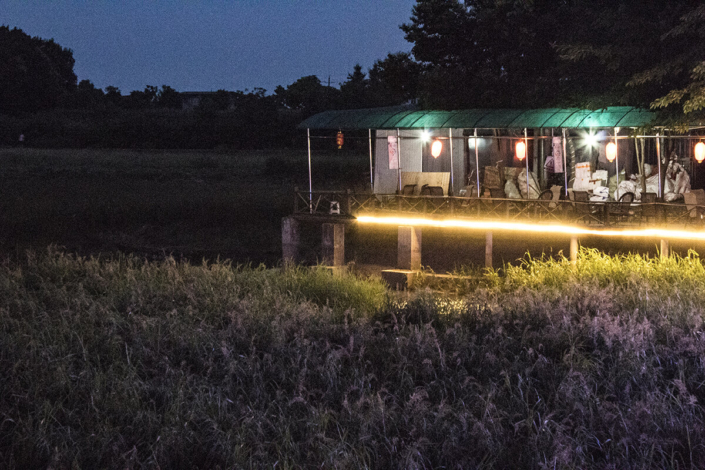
131, 364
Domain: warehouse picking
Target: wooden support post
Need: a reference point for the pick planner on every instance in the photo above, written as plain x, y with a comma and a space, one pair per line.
409, 248
333, 244
573, 249
665, 249
290, 239
488, 250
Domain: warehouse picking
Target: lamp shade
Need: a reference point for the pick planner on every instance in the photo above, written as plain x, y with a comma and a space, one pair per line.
700, 152
611, 151
521, 150
436, 148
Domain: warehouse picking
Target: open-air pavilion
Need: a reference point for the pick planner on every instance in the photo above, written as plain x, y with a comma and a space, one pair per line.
614, 171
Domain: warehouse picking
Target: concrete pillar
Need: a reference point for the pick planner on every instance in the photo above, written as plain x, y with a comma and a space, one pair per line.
488, 250
573, 249
290, 239
333, 244
665, 249
409, 248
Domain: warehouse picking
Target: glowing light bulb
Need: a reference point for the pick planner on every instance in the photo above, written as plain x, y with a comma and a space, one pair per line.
521, 150
590, 139
611, 151
700, 152
436, 148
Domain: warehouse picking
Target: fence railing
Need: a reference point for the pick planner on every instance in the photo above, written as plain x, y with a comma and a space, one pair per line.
607, 214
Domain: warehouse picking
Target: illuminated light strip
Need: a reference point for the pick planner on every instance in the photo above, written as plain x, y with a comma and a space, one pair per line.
534, 228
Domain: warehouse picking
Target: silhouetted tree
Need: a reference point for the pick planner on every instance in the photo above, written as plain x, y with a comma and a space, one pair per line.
354, 90
308, 96
141, 99
113, 95
167, 97
34, 73
394, 80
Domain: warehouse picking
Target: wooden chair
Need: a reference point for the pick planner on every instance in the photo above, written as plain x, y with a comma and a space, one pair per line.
543, 202
623, 209
695, 203
427, 190
584, 210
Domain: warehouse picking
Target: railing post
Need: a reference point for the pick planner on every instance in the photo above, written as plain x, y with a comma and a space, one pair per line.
348, 203
296, 199
573, 250
488, 250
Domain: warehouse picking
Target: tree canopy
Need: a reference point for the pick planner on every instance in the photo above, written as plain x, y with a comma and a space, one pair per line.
34, 73
540, 53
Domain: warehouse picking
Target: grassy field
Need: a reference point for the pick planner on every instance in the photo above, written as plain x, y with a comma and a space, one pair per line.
126, 363
154, 203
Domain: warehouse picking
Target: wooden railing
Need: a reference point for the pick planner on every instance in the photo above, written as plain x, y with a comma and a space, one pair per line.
605, 214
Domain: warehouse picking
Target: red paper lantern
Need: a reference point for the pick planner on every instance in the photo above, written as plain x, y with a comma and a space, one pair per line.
521, 150
611, 151
436, 148
339, 139
700, 152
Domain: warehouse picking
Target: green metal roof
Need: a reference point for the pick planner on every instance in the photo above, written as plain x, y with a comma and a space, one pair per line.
393, 118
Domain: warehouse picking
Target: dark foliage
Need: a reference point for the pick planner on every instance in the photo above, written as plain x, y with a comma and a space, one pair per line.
34, 73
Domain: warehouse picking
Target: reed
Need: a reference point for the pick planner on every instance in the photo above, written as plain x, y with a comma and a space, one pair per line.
127, 363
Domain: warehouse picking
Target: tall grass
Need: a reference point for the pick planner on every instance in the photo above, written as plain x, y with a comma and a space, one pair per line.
128, 364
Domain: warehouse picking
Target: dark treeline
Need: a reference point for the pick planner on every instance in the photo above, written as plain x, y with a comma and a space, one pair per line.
41, 99
476, 53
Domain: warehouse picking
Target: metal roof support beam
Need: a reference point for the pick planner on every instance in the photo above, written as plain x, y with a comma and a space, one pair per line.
477, 165
616, 154
398, 161
372, 181
450, 140
526, 156
565, 164
658, 157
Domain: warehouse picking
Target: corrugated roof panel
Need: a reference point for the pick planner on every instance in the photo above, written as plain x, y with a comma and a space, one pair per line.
559, 117
395, 119
373, 121
575, 119
608, 117
498, 118
636, 118
403, 118
466, 118
533, 117
410, 119
434, 119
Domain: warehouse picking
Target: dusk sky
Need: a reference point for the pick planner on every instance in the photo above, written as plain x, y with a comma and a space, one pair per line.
211, 45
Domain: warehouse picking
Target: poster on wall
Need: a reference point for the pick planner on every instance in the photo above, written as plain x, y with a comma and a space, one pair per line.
393, 150
557, 155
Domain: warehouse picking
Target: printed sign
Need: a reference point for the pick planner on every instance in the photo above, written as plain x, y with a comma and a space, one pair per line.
393, 150
557, 155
